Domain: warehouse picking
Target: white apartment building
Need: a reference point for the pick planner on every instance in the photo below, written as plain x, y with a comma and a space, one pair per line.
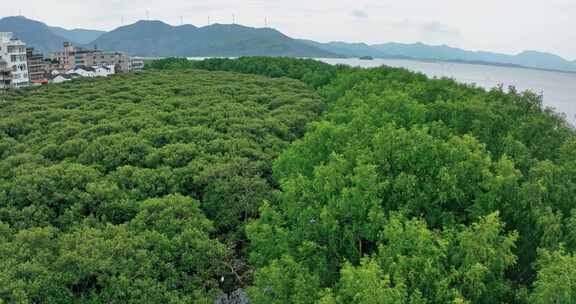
13, 52
136, 65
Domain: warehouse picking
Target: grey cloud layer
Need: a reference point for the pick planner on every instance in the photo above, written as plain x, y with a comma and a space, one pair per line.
505, 26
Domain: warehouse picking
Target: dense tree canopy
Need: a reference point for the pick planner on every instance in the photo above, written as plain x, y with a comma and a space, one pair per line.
412, 190
136, 188
314, 184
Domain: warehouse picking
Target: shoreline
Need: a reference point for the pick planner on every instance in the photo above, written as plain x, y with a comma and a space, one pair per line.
483, 63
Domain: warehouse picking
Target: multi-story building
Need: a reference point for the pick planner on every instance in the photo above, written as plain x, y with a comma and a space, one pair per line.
96, 57
121, 61
5, 75
87, 57
136, 65
13, 52
36, 66
75, 56
64, 59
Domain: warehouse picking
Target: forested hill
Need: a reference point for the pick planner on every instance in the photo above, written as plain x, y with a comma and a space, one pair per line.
43, 38
340, 185
79, 36
36, 34
158, 39
155, 38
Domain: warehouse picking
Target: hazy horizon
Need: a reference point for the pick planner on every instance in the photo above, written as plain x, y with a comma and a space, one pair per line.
508, 27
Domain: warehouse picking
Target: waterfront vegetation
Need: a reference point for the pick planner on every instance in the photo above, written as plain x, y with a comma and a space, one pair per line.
305, 183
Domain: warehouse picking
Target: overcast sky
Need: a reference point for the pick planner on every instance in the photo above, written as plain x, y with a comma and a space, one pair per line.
507, 26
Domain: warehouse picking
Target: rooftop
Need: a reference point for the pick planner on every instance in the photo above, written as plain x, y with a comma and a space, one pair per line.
85, 68
66, 76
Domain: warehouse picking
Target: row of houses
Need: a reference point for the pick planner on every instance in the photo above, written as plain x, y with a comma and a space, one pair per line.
82, 71
21, 66
73, 56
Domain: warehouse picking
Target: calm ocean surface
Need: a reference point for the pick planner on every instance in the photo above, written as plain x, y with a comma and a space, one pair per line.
558, 89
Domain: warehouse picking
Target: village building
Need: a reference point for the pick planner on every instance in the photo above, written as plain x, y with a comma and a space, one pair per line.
73, 56
36, 66
94, 71
64, 77
82, 71
13, 52
136, 65
64, 60
5, 75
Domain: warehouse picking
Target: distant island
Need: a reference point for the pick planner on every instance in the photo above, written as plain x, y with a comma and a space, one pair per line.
158, 39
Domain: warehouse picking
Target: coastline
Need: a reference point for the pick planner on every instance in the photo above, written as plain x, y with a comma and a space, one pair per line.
484, 63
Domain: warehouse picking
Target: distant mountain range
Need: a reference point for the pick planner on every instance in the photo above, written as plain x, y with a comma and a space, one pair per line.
43, 38
80, 36
442, 52
158, 39
34, 33
155, 38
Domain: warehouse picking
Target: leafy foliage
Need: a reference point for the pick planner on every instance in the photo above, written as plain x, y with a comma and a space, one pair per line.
311, 72
406, 190
556, 278
441, 189
136, 188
